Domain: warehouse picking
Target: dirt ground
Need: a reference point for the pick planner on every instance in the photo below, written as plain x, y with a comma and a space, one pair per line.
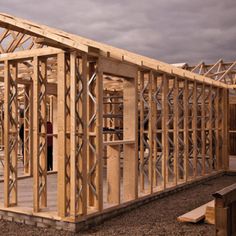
155, 218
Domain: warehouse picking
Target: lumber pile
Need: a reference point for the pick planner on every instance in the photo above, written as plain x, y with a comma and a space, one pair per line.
206, 211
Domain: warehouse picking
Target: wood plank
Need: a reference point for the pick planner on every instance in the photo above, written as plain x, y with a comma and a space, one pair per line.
195, 215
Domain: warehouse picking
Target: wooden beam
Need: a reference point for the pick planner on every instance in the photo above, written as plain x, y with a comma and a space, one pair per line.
114, 67
52, 43
29, 54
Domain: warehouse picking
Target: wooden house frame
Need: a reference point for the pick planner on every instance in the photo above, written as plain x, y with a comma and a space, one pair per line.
129, 127
226, 73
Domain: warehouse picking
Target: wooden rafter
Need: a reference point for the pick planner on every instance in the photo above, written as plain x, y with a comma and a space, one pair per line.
220, 71
84, 44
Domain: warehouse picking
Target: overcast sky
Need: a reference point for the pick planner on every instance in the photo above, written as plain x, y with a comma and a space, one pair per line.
168, 30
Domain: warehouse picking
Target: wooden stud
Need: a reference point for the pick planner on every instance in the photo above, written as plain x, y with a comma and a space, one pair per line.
150, 131
85, 133
210, 129
176, 129
61, 135
39, 134
165, 130
95, 140
78, 198
203, 130
141, 131
186, 140
99, 139
10, 134
28, 130
217, 151
130, 169
225, 129
35, 135
154, 130
74, 156
194, 128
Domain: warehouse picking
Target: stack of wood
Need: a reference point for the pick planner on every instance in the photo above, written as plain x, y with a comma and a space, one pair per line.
205, 212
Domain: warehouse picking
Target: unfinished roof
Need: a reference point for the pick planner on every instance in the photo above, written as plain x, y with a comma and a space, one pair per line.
52, 37
220, 71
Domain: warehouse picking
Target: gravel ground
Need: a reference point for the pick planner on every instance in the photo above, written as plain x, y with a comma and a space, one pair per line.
155, 218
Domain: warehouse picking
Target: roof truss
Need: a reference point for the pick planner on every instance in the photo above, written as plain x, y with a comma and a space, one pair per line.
52, 37
220, 71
